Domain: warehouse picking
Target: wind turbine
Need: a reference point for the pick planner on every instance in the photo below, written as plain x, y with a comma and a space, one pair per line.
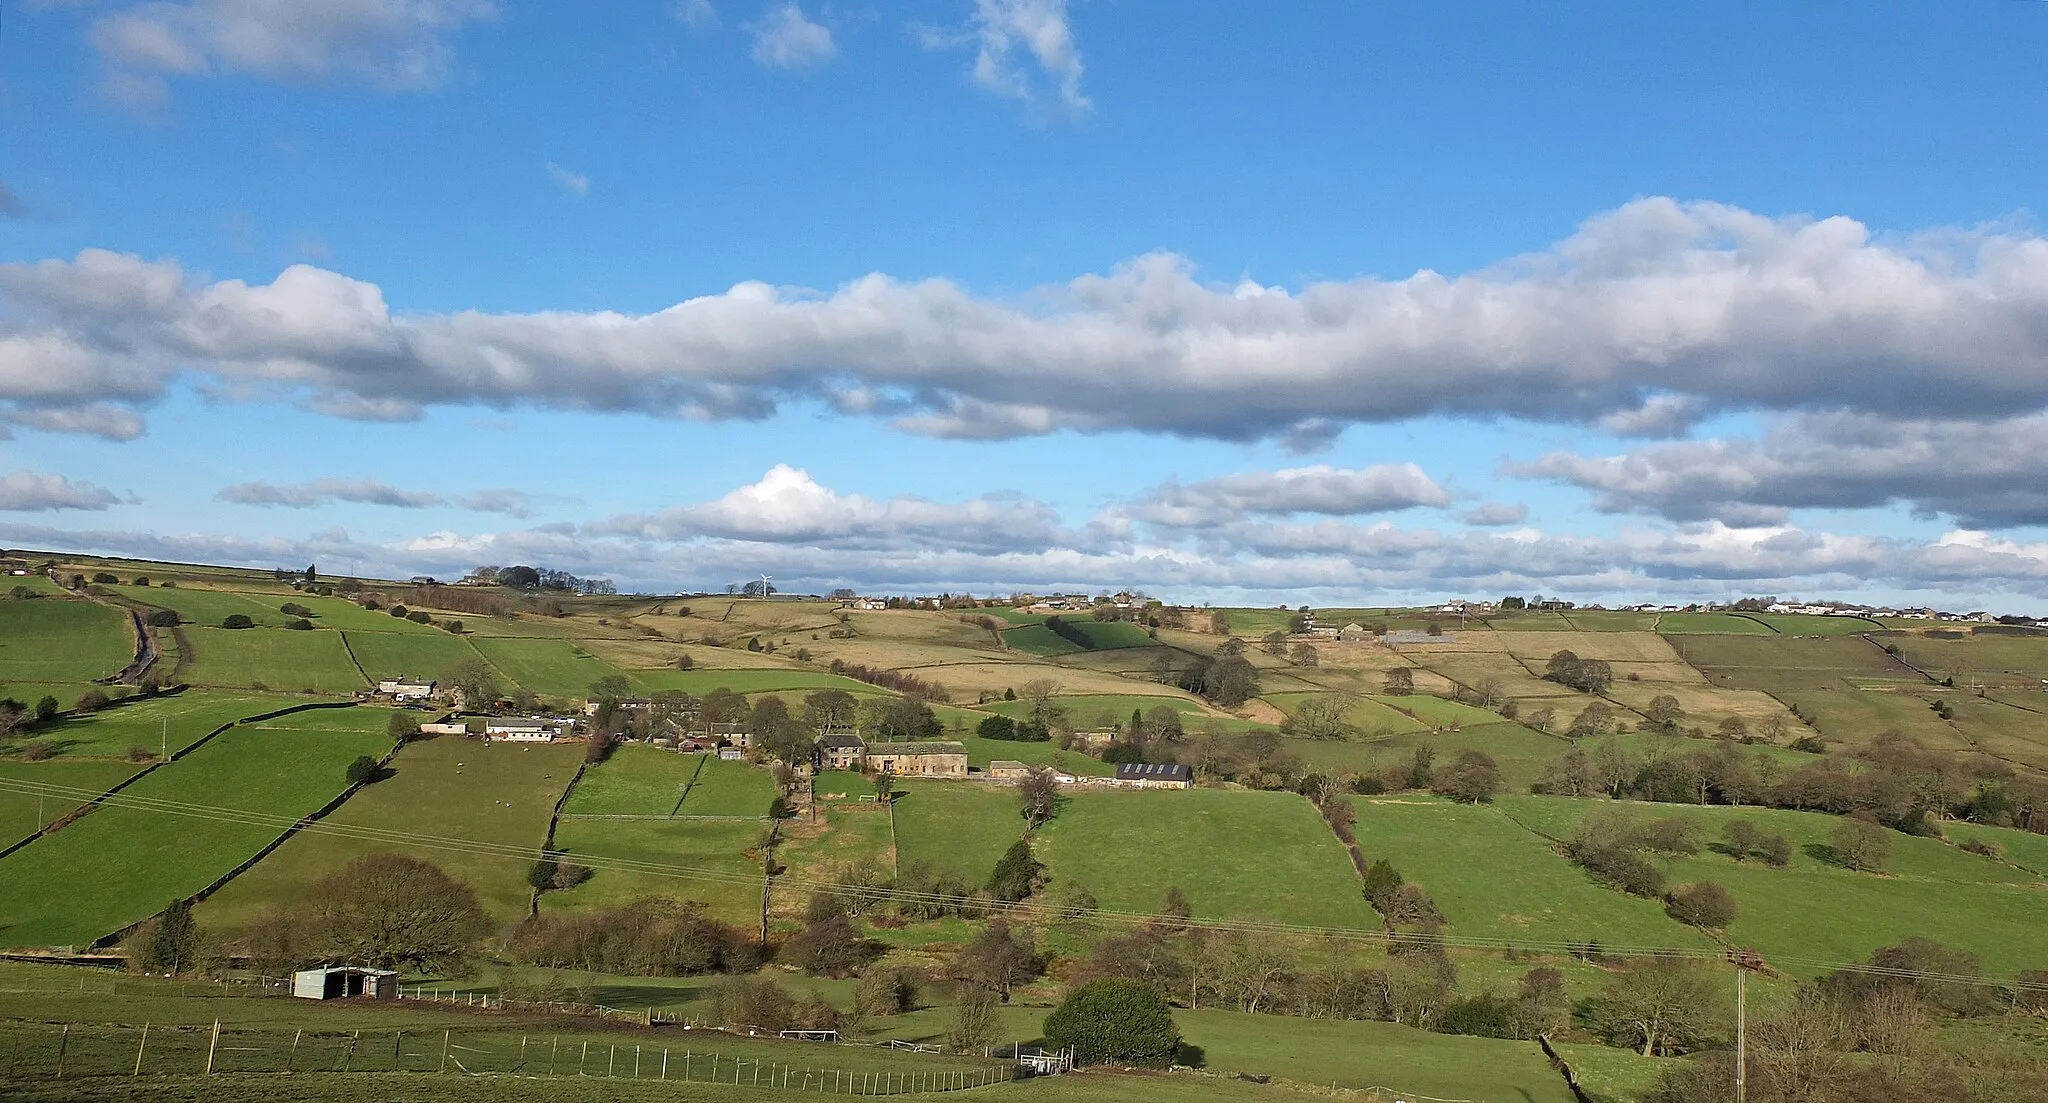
765, 588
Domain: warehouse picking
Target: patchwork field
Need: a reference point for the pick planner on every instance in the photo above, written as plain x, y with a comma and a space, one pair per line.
407, 654
712, 861
209, 607
959, 828
61, 640
634, 781
723, 788
448, 788
24, 814
1237, 855
157, 725
119, 864
551, 667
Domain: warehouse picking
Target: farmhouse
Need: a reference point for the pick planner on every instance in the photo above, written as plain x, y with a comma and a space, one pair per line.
841, 751
1004, 769
527, 729
624, 704
1154, 775
917, 759
344, 983
1354, 633
407, 689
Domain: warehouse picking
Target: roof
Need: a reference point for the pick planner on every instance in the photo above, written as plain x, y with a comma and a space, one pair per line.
1154, 771
918, 748
840, 741
364, 970
1005, 764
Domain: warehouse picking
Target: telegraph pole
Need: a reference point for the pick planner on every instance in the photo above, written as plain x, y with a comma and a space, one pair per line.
1741, 1032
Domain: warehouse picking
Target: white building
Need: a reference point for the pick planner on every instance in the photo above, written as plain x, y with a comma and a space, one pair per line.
407, 689
527, 729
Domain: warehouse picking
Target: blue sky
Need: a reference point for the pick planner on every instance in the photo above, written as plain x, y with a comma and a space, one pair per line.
1307, 302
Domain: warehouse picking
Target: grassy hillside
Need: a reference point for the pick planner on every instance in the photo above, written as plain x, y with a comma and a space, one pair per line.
61, 640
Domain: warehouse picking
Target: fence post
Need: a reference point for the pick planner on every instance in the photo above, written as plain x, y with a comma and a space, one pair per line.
139, 1047
664, 1062
444, 1050
210, 1047
64, 1043
582, 1057
636, 1062
291, 1058
553, 1045
610, 1060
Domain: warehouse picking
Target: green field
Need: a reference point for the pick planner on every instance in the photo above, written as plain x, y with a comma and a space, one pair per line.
1495, 879
1710, 624
1520, 753
1088, 710
1237, 855
121, 864
65, 641
271, 658
853, 785
210, 607
981, 752
163, 724
634, 781
1438, 712
551, 667
1366, 716
446, 787
397, 655
961, 828
705, 860
701, 682
727, 788
1815, 911
1794, 624
1037, 639
24, 814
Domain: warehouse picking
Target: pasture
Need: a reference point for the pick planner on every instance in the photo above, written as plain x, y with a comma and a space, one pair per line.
1817, 911
549, 667
403, 654
158, 725
62, 641
723, 788
444, 788
634, 781
1710, 624
24, 814
1493, 878
271, 658
713, 861
771, 680
121, 863
958, 828
209, 607
1237, 855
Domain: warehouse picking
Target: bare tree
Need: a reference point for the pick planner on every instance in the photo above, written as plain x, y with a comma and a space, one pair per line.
1305, 655
1319, 718
1039, 793
1400, 682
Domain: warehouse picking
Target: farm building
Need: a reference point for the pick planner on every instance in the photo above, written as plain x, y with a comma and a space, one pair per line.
1354, 633
407, 689
624, 704
933, 759
1408, 637
344, 983
449, 727
1154, 775
730, 753
527, 729
841, 751
1004, 769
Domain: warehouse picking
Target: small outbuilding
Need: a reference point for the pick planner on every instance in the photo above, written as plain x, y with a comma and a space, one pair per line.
345, 982
1004, 769
1154, 775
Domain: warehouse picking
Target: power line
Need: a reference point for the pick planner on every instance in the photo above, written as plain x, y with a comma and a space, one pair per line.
511, 852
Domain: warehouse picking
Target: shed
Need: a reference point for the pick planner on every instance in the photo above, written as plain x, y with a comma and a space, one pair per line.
343, 982
1004, 769
1154, 775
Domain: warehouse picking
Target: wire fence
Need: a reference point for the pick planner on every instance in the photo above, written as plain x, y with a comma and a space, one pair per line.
45, 1051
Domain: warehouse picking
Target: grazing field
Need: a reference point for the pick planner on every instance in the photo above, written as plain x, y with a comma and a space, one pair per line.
1796, 624
1520, 752
447, 788
1037, 639
713, 861
120, 864
210, 607
1366, 716
1437, 712
1089, 710
24, 814
634, 781
1237, 855
1710, 624
851, 836
53, 640
701, 682
725, 788
398, 654
958, 828
1493, 878
335, 612
981, 752
841, 785
271, 658
159, 725
1815, 910
551, 667
2006, 731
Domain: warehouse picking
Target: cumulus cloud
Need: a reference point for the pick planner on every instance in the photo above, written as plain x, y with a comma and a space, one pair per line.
788, 506
1320, 489
1984, 474
511, 503
1023, 49
575, 183
394, 45
96, 419
33, 492
1496, 514
785, 39
1655, 314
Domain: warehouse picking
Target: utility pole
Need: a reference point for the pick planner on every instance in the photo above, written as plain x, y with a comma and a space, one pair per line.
1741, 1032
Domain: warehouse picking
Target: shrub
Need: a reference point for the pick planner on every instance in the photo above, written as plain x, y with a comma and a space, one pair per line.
47, 709
1704, 904
1622, 868
92, 700
363, 769
830, 947
1017, 875
403, 726
997, 727
102, 578
300, 624
38, 750
1973, 846
1115, 1020
294, 609
142, 580
1777, 852
752, 1001
419, 616
162, 618
1482, 1016
237, 620
400, 611
1861, 844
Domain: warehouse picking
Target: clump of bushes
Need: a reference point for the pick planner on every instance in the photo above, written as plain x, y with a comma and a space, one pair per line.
162, 618
237, 620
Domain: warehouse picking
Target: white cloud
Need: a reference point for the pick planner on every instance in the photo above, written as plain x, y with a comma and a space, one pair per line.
1680, 310
575, 183
31, 492
320, 492
1320, 489
1025, 49
395, 45
1985, 474
785, 39
697, 15
1496, 514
